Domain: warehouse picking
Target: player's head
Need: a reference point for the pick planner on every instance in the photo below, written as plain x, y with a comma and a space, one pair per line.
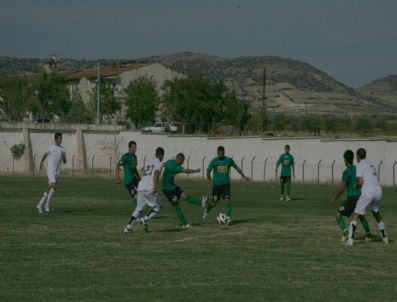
132, 147
160, 153
361, 154
180, 158
58, 138
287, 148
220, 152
348, 156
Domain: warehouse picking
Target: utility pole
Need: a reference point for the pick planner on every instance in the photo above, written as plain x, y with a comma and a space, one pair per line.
97, 95
264, 121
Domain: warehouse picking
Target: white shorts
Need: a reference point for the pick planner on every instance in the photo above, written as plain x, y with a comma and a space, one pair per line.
147, 198
52, 177
371, 197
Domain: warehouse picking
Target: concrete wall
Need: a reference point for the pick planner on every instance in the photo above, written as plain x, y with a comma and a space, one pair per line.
92, 148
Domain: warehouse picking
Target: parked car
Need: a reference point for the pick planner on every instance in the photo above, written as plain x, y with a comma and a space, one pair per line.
160, 128
42, 120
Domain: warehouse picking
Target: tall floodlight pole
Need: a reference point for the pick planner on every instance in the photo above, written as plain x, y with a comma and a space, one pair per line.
97, 95
264, 100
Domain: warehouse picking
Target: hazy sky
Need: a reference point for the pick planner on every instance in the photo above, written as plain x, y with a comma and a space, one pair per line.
355, 41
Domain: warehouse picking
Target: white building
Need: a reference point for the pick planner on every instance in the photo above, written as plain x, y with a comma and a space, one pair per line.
84, 81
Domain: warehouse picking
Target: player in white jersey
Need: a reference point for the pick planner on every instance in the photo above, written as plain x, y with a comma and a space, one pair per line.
147, 192
56, 154
371, 196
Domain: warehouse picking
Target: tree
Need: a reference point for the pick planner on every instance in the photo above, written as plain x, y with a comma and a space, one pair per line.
15, 97
108, 103
53, 95
79, 113
201, 103
142, 100
363, 124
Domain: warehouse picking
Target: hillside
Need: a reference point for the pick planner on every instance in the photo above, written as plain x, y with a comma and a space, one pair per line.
291, 86
384, 89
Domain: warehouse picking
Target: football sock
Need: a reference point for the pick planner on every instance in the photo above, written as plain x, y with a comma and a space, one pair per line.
43, 199
193, 200
352, 229
288, 190
381, 227
132, 220
364, 222
134, 202
181, 216
342, 224
282, 190
228, 209
47, 204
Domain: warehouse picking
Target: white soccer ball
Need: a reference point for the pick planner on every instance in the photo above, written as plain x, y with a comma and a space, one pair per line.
221, 218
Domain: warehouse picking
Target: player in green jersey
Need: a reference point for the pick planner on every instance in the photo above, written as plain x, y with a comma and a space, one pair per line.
220, 182
131, 176
348, 184
287, 164
174, 193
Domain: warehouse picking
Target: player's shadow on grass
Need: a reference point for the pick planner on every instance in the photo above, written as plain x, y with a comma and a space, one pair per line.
297, 199
239, 221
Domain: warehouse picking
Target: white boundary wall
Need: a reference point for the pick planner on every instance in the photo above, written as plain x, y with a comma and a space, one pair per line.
100, 150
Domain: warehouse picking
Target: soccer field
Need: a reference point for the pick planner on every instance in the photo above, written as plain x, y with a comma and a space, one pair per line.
275, 251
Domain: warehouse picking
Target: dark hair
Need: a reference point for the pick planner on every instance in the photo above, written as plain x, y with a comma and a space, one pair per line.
287, 146
159, 151
180, 155
221, 149
348, 156
361, 153
131, 143
58, 134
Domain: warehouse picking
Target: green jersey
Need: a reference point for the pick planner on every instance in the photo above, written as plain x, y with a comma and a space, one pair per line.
129, 163
221, 170
349, 177
287, 161
171, 169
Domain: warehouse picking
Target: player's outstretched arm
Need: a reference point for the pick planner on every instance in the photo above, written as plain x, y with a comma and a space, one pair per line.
191, 171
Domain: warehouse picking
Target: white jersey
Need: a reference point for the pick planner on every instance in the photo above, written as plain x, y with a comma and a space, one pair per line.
55, 155
146, 183
368, 172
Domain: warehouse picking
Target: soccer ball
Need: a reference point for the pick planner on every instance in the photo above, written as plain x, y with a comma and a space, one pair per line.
221, 218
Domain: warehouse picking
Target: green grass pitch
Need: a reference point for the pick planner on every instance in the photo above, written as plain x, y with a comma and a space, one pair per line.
276, 251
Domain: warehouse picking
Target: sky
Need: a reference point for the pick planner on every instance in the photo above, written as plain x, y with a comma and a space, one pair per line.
354, 41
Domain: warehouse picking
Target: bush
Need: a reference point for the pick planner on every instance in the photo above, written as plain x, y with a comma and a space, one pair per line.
18, 150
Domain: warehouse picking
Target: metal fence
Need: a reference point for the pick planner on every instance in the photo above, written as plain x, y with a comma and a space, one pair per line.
261, 170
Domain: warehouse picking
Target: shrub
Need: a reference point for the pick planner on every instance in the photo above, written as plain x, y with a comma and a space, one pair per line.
18, 150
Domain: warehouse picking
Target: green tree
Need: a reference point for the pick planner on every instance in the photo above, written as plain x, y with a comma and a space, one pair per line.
142, 100
79, 113
108, 104
15, 97
363, 124
53, 95
312, 123
330, 124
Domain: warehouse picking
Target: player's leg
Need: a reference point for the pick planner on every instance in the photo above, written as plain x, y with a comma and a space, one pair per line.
282, 184
226, 196
52, 188
43, 199
341, 223
362, 204
136, 213
132, 190
216, 195
364, 223
174, 197
376, 213
288, 189
193, 200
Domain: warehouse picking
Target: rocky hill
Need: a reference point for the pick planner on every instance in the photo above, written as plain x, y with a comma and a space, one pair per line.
384, 89
291, 86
